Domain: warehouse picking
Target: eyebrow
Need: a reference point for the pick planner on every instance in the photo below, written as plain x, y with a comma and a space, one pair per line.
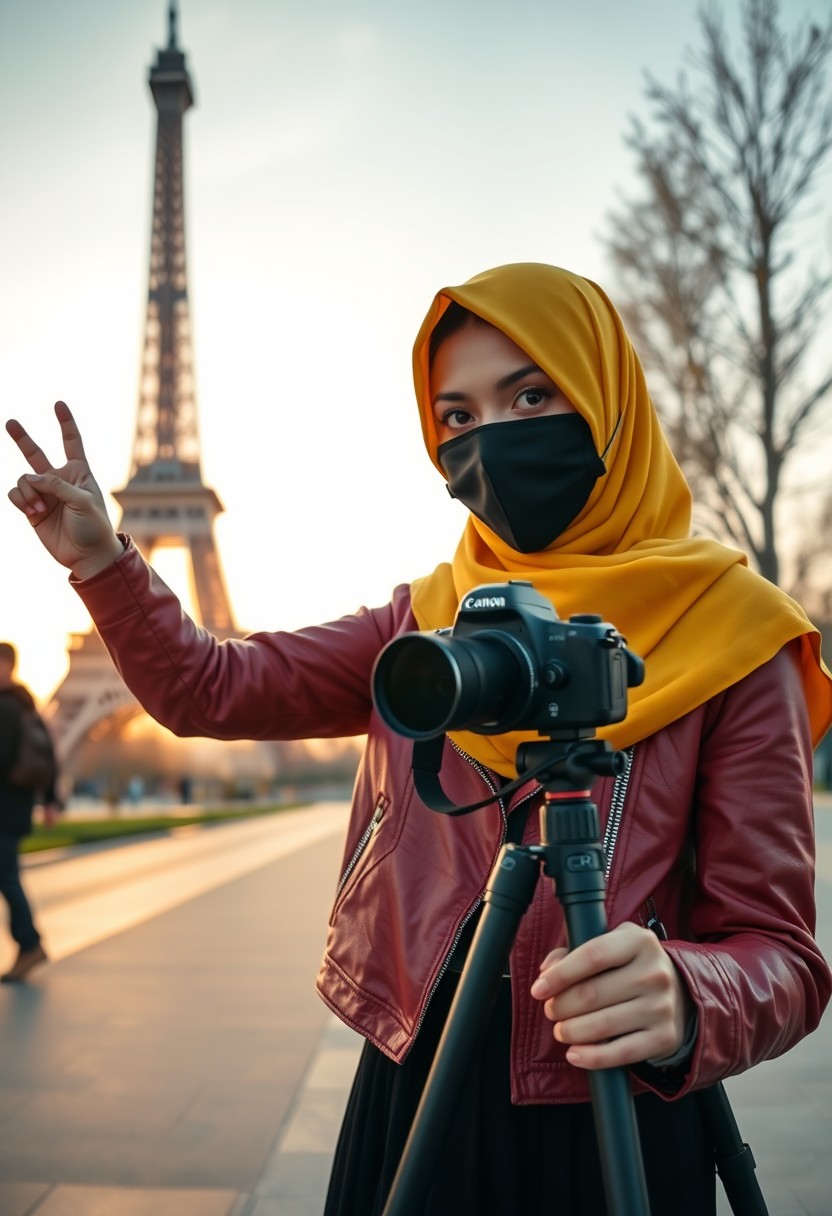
504, 382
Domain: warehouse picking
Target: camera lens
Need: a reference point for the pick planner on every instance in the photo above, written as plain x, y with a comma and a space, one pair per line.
425, 684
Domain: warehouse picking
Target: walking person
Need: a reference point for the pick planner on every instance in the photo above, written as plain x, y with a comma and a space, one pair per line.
18, 798
535, 411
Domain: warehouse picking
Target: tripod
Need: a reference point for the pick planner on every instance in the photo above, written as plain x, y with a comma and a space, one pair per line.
572, 856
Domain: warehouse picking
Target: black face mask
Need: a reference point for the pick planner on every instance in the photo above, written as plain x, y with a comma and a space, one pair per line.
527, 479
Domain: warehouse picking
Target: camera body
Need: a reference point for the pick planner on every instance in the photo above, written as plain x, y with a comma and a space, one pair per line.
508, 663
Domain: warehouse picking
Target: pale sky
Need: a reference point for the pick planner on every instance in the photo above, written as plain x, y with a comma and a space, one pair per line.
344, 161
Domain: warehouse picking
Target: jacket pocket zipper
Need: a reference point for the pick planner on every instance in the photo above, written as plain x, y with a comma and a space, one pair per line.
381, 804
653, 921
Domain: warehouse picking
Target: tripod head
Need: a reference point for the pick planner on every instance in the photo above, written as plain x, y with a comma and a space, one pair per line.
566, 760
569, 759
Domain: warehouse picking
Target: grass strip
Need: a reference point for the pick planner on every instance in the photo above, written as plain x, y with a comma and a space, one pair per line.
68, 832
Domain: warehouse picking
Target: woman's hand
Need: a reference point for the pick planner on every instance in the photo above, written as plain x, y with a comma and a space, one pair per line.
65, 505
616, 1000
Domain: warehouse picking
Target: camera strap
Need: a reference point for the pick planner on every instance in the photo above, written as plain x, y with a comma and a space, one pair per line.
427, 761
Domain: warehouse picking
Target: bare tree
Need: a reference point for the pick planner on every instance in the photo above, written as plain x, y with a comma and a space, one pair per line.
724, 295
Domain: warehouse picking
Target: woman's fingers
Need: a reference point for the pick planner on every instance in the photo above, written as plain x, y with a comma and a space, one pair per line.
621, 1052
554, 956
562, 970
590, 1021
73, 444
21, 496
28, 499
53, 485
33, 489
35, 456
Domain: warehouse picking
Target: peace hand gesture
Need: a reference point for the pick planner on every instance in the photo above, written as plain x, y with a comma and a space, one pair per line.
65, 506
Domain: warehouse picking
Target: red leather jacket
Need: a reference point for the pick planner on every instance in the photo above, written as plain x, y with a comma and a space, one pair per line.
712, 831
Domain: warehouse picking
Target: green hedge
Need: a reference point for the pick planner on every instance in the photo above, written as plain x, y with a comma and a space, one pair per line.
86, 831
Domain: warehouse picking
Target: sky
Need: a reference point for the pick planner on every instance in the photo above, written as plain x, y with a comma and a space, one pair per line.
344, 161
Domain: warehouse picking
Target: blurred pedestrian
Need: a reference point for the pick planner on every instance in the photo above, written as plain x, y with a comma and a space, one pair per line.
21, 729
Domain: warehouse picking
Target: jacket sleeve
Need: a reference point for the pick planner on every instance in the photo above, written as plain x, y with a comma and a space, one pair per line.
753, 969
313, 683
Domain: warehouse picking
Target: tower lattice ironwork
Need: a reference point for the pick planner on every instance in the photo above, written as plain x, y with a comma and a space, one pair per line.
165, 501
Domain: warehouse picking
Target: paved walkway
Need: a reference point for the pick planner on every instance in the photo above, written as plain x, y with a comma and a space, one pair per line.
174, 1060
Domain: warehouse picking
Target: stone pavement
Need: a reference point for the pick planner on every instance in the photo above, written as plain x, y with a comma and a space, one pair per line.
154, 1072
184, 1066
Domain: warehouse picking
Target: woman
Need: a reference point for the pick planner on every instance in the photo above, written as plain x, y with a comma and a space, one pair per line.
534, 407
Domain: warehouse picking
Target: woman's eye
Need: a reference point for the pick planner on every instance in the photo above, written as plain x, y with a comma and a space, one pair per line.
456, 418
532, 397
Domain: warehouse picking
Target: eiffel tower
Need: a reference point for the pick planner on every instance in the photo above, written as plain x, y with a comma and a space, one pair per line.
165, 501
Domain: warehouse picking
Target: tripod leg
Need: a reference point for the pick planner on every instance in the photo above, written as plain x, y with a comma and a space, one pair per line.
574, 859
509, 893
734, 1160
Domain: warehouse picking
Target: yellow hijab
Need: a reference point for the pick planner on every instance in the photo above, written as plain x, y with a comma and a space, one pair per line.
688, 606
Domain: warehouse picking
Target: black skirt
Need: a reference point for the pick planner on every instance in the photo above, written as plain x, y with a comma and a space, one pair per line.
499, 1159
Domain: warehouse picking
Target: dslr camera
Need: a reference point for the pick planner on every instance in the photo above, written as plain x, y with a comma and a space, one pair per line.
508, 663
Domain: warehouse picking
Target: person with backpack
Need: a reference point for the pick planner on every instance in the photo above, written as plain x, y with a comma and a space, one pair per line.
27, 777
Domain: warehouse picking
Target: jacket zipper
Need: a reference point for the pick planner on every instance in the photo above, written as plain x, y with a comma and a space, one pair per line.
362, 844
619, 795
483, 772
